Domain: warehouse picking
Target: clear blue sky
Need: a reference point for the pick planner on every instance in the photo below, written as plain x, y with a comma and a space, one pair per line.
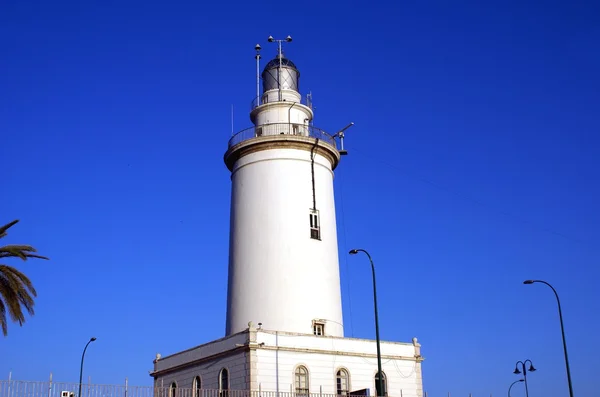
473, 165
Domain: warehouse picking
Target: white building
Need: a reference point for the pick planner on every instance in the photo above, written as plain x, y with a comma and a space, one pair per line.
281, 336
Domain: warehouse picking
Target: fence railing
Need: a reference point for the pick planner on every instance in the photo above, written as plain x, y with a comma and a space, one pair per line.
282, 129
262, 100
17, 388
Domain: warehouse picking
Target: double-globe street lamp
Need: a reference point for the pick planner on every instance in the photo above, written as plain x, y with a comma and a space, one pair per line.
81, 369
562, 329
380, 392
514, 383
524, 371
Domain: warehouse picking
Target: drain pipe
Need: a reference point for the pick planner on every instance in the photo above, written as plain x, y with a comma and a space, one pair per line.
312, 172
290, 118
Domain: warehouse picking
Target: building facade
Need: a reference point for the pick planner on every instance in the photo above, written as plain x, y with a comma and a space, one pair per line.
279, 337
291, 363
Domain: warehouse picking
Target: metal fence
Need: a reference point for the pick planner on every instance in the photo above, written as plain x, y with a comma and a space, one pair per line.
281, 129
18, 388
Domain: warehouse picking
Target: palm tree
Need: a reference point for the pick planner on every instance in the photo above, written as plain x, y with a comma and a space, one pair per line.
16, 290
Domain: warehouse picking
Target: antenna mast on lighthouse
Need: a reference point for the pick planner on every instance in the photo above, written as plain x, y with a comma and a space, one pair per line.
280, 57
257, 56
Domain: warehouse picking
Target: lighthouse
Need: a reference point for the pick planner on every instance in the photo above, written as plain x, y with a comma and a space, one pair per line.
284, 332
283, 252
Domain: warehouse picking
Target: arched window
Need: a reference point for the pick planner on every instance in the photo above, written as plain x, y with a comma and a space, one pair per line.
301, 380
381, 393
343, 382
224, 383
197, 387
173, 392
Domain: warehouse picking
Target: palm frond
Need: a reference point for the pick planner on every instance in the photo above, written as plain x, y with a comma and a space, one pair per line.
11, 292
19, 251
4, 228
3, 321
17, 293
16, 290
19, 278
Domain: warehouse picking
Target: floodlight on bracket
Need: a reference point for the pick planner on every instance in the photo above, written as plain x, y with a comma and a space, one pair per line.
279, 41
341, 135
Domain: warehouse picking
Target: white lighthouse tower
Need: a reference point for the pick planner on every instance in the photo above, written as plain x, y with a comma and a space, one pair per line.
284, 326
283, 255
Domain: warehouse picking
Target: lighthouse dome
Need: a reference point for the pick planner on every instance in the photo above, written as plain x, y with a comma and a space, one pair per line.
274, 63
280, 70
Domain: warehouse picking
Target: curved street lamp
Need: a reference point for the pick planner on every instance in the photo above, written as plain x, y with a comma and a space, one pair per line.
562, 329
524, 371
379, 373
81, 369
512, 384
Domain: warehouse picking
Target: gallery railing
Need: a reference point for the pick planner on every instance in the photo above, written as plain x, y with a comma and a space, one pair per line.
274, 129
305, 100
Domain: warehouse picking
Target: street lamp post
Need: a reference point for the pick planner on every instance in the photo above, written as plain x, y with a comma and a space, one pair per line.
524, 370
81, 369
379, 373
514, 383
562, 329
